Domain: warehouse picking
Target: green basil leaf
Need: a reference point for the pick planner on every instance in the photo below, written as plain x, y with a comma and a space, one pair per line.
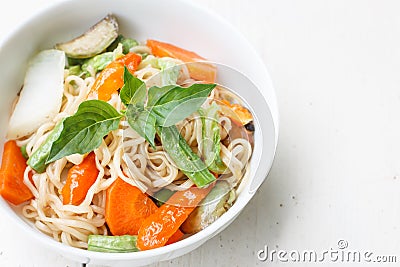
143, 122
84, 131
134, 90
171, 104
156, 93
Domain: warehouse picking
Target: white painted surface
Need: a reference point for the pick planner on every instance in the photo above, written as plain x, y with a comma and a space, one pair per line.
335, 66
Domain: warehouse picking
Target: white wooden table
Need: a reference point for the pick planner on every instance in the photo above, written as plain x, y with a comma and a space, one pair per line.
335, 66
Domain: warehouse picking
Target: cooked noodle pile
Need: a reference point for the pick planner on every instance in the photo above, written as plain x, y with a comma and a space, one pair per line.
123, 153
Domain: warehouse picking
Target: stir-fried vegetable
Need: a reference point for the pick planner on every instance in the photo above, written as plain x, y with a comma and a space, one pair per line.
126, 208
199, 69
79, 180
84, 131
184, 157
162, 196
91, 66
158, 228
122, 243
127, 44
238, 130
169, 70
94, 41
236, 112
211, 146
112, 77
12, 187
24, 152
210, 209
136, 220
97, 63
40, 98
37, 160
116, 244
177, 236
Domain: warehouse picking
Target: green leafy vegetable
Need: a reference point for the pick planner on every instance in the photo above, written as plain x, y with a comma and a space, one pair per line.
143, 122
169, 70
89, 67
37, 161
84, 131
175, 103
75, 61
117, 244
97, 63
75, 70
156, 93
127, 44
211, 138
184, 157
169, 104
134, 90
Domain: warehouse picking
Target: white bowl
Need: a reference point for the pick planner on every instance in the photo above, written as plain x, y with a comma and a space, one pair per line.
174, 21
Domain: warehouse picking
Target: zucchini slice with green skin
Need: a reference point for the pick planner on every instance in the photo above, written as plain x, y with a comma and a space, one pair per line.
210, 209
94, 41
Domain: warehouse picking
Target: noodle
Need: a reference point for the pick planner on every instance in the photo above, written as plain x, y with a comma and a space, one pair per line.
123, 153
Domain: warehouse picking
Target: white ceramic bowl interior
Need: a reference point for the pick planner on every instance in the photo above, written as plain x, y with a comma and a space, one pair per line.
174, 21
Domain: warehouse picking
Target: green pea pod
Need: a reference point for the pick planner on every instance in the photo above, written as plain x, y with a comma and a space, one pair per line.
37, 161
113, 244
162, 196
211, 137
23, 151
183, 156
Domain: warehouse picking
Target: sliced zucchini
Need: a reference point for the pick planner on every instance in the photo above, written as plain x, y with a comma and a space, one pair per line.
211, 208
92, 42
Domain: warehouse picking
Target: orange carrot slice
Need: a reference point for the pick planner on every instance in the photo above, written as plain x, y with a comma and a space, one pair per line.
177, 236
111, 77
80, 178
236, 111
126, 208
159, 227
198, 69
12, 187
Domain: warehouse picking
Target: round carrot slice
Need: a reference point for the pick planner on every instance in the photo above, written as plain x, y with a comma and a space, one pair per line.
126, 208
